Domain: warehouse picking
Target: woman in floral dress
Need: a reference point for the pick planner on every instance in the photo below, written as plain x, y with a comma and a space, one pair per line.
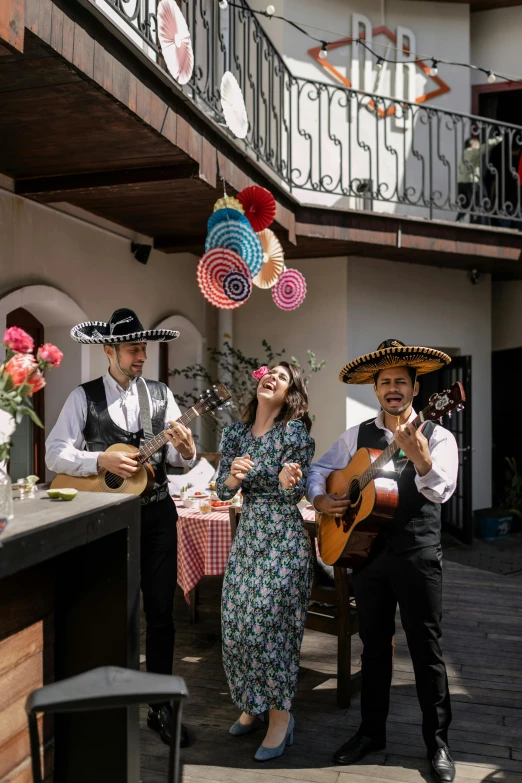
269, 573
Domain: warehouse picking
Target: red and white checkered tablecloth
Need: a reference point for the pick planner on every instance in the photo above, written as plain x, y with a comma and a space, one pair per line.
204, 542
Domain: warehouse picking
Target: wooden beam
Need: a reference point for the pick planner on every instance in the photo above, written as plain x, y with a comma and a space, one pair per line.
59, 188
12, 23
181, 244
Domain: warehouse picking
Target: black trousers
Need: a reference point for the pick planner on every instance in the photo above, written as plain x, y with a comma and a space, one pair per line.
414, 581
159, 542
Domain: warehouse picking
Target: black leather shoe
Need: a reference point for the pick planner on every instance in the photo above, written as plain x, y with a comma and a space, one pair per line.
442, 766
160, 721
356, 748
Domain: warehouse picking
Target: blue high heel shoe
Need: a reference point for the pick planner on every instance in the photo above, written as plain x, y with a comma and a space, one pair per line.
265, 754
238, 729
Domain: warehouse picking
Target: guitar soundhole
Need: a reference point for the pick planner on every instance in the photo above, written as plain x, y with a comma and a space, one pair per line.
354, 492
113, 481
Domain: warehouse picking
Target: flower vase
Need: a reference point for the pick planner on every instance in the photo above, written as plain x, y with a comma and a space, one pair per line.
6, 497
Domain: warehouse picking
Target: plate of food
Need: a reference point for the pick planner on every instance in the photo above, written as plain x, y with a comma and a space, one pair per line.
220, 504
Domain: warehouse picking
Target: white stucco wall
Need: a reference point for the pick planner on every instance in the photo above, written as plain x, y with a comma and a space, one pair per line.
495, 42
425, 306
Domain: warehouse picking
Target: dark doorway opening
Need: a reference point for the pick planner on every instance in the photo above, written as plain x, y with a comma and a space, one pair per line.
506, 429
28, 451
457, 515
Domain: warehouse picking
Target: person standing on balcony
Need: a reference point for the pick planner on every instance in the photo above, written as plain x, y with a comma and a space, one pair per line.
110, 410
471, 190
405, 563
268, 579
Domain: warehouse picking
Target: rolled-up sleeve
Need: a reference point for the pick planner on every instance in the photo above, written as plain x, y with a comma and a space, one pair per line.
174, 458
438, 485
64, 447
336, 458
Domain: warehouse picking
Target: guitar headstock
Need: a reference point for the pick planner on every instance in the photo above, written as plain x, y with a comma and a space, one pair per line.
445, 402
216, 397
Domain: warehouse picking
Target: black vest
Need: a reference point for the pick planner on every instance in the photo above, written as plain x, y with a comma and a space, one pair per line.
416, 522
100, 431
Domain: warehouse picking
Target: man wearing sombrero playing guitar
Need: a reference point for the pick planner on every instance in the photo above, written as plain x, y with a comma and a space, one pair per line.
405, 563
111, 410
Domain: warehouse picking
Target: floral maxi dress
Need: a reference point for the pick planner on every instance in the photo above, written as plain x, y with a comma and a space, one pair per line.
268, 579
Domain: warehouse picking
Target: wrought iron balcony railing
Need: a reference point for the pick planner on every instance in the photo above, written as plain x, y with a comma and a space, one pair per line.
347, 147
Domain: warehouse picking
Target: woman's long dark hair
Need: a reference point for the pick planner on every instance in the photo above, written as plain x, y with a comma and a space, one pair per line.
295, 405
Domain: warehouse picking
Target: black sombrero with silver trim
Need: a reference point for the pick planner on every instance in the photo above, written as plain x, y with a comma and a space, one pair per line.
393, 353
123, 326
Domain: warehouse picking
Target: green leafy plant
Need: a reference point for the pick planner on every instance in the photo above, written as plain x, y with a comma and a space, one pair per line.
234, 369
513, 490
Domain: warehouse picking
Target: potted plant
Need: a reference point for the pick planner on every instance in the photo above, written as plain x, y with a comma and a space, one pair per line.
184, 491
495, 523
21, 376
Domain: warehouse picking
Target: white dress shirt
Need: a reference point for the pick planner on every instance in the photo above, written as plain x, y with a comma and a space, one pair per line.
65, 446
437, 485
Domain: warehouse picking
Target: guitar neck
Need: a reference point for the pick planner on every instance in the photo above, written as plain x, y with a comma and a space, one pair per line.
158, 441
382, 460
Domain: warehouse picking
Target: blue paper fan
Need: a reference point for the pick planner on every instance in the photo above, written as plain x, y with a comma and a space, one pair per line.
222, 215
240, 238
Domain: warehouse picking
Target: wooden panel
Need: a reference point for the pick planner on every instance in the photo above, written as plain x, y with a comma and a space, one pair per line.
17, 750
12, 22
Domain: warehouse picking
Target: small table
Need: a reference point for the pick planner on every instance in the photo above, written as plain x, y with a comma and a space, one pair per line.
204, 542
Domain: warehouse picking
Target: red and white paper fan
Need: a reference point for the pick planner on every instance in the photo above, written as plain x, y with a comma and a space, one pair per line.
213, 267
290, 290
174, 38
273, 260
233, 105
259, 205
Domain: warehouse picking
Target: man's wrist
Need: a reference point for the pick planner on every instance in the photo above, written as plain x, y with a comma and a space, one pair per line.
190, 456
423, 466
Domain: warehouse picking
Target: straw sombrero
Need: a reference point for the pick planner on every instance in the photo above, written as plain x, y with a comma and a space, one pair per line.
123, 326
393, 353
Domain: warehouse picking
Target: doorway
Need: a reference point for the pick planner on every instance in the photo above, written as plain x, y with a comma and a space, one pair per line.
28, 449
457, 518
506, 428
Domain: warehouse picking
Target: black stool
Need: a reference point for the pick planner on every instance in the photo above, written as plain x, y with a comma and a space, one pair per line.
104, 688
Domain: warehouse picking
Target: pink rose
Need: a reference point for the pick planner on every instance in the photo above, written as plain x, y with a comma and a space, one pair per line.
18, 340
258, 374
23, 369
50, 354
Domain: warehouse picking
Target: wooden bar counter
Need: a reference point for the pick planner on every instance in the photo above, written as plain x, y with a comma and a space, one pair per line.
69, 601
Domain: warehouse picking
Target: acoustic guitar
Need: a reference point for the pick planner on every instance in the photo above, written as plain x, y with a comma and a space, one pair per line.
143, 480
373, 492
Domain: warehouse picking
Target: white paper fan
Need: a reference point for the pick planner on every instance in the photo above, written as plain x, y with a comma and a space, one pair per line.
174, 38
233, 105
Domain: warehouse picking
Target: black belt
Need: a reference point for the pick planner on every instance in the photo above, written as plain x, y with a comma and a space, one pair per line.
156, 495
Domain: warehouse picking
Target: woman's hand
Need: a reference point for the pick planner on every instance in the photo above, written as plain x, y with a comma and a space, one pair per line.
238, 470
290, 475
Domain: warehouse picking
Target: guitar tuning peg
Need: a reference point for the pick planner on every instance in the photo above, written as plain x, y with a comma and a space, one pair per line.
450, 413
208, 391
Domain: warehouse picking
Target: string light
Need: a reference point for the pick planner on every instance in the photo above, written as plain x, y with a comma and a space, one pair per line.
323, 54
491, 77
379, 64
434, 70
270, 10
223, 4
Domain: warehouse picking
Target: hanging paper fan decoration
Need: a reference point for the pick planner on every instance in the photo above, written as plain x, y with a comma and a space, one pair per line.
237, 286
212, 269
259, 205
273, 260
239, 237
290, 290
222, 215
233, 105
230, 202
174, 38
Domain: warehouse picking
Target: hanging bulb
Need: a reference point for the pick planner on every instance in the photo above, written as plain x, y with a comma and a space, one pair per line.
223, 4
378, 64
491, 77
323, 54
434, 70
270, 10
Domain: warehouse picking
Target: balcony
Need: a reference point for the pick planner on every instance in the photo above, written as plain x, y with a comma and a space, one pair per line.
353, 172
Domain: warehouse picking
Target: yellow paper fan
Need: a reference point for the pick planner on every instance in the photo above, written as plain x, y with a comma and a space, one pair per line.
273, 258
229, 201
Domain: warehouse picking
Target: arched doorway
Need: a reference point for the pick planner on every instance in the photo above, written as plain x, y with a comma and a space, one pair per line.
54, 313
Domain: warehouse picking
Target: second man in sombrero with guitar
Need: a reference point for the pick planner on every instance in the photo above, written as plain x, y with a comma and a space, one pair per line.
396, 549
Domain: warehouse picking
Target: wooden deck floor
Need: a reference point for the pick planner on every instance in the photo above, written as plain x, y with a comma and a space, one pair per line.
482, 642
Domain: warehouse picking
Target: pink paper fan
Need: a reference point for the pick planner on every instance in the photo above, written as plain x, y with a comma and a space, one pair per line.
259, 205
174, 38
213, 267
290, 290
